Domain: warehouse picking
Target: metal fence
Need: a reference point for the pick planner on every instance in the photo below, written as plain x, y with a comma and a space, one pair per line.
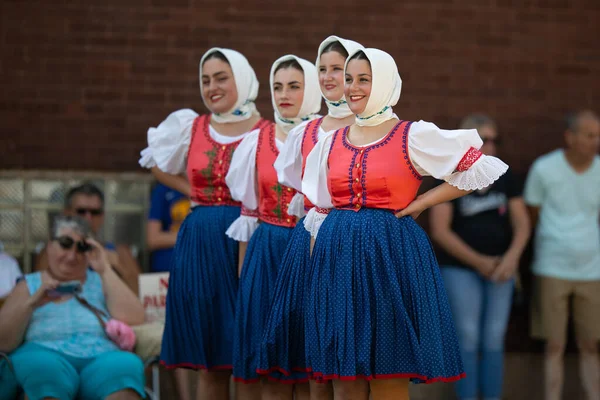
29, 200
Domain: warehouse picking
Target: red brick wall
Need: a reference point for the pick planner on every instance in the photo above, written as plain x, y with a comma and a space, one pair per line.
82, 81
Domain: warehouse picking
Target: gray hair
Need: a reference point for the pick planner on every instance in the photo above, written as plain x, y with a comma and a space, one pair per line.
77, 224
476, 121
574, 119
86, 189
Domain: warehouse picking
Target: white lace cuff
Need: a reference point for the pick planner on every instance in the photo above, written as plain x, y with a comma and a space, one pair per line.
146, 158
296, 207
241, 229
314, 219
485, 171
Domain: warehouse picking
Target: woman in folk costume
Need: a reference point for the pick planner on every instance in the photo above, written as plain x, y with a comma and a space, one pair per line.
203, 281
253, 180
282, 351
376, 314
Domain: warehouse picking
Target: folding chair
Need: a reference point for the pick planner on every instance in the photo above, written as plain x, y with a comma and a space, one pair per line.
153, 392
14, 390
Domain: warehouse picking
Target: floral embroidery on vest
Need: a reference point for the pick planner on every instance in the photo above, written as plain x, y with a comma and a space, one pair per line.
208, 174
274, 198
278, 211
208, 164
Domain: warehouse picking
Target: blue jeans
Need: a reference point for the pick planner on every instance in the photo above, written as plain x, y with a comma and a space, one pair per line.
481, 310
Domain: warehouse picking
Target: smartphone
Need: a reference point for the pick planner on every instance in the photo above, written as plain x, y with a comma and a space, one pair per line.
71, 287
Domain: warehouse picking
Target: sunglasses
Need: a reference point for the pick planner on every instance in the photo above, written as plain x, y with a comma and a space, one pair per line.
93, 211
67, 243
490, 140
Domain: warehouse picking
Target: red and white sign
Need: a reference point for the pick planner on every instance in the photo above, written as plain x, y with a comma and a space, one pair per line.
153, 294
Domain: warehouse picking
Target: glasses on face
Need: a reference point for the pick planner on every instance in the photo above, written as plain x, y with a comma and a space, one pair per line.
67, 243
82, 212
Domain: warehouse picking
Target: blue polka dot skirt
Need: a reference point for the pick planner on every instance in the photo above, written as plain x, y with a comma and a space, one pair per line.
257, 287
376, 306
282, 353
202, 292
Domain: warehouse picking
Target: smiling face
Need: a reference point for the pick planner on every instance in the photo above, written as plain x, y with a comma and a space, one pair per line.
218, 86
358, 85
331, 75
288, 91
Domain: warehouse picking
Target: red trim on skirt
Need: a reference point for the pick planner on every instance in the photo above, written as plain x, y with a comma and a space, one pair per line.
242, 380
196, 366
323, 378
286, 373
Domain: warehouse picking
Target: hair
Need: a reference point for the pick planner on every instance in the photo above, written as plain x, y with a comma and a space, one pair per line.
77, 224
337, 47
574, 119
360, 55
293, 63
476, 121
216, 55
87, 189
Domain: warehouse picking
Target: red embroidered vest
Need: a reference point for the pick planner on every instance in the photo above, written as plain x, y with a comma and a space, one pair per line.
376, 176
309, 140
208, 163
274, 198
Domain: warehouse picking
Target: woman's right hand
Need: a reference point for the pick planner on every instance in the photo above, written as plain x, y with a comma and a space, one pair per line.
414, 209
486, 265
97, 257
44, 294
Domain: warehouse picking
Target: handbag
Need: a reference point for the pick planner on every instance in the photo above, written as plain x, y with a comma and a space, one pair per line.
119, 332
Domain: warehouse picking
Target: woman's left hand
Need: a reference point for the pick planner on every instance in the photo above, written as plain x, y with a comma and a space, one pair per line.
97, 257
414, 209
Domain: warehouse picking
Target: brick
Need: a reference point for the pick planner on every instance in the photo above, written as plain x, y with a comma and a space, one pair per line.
103, 95
88, 27
98, 75
171, 3
169, 28
573, 70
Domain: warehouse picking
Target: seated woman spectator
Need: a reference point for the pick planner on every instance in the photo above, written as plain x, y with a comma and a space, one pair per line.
59, 349
87, 202
481, 236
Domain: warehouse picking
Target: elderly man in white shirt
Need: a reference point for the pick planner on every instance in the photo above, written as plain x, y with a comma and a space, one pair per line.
9, 273
563, 195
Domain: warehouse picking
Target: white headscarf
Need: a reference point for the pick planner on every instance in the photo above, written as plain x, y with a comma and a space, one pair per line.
385, 88
245, 83
338, 109
311, 103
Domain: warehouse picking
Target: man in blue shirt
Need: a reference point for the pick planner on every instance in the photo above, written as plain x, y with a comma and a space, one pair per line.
168, 209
